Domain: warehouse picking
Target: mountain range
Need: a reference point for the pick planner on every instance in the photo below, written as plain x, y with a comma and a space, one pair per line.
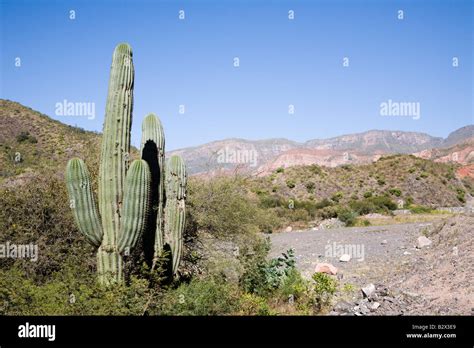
44, 142
264, 156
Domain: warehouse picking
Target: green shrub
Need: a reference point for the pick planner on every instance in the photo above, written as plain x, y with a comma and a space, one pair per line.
377, 204
310, 187
224, 208
293, 285
251, 304
337, 196
395, 192
262, 276
26, 137
290, 183
419, 209
69, 292
328, 212
368, 194
461, 195
280, 170
315, 169
324, 288
39, 213
200, 297
347, 216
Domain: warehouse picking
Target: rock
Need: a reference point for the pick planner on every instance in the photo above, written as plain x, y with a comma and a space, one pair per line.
422, 242
368, 290
455, 251
289, 229
331, 223
374, 306
325, 268
345, 258
384, 242
342, 306
364, 309
406, 253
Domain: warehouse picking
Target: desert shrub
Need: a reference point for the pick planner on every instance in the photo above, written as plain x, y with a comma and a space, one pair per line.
293, 285
272, 202
328, 212
310, 187
280, 170
377, 204
199, 297
337, 196
324, 289
323, 204
419, 209
39, 213
290, 183
347, 216
368, 194
262, 276
251, 304
26, 137
395, 192
461, 195
315, 169
68, 292
224, 208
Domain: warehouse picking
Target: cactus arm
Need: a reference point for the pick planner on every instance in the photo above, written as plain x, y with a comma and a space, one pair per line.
175, 209
135, 208
153, 151
116, 142
82, 202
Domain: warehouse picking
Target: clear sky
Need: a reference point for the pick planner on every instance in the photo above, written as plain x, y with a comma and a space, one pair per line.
190, 62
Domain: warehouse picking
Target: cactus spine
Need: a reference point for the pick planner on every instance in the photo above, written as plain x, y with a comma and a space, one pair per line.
123, 197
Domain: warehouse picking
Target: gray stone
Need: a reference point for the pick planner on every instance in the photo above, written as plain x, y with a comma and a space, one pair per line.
368, 290
422, 242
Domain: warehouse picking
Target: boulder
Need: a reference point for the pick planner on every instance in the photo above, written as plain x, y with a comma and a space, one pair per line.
369, 290
325, 268
422, 242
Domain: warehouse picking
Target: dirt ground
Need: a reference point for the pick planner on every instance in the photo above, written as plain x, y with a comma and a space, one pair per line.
436, 279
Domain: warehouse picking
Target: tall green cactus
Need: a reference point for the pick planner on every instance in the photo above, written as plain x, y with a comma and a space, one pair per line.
123, 191
175, 208
168, 199
153, 151
131, 200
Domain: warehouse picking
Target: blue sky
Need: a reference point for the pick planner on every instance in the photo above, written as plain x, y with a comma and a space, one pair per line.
299, 62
